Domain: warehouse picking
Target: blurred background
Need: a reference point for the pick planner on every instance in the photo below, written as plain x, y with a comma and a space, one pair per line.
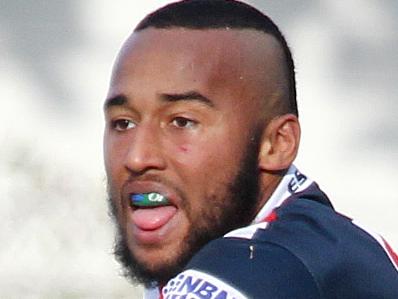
56, 58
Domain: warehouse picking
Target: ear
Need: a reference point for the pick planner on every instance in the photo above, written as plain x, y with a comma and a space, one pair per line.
280, 143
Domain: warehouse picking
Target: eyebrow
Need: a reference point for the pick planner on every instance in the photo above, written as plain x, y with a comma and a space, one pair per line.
187, 96
120, 100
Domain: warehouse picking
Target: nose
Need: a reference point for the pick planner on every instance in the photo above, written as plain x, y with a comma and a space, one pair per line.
145, 151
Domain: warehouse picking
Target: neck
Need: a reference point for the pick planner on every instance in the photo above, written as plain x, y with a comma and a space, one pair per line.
269, 181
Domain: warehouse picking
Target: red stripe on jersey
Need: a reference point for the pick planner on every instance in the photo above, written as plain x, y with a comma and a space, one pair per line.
391, 252
271, 217
161, 293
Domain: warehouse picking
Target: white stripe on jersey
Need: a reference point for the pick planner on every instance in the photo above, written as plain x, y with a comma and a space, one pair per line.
293, 182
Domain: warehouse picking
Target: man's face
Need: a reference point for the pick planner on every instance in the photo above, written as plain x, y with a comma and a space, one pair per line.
184, 119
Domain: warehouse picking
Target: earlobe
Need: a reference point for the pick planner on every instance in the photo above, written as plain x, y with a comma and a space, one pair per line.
280, 143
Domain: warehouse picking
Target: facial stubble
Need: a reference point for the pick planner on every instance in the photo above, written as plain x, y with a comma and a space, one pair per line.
234, 209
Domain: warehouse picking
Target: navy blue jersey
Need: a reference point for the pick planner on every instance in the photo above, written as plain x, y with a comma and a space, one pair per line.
297, 247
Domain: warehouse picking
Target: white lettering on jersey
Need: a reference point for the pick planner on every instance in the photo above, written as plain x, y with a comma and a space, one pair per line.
193, 284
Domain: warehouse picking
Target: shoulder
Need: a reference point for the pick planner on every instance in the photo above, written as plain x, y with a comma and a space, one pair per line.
239, 268
339, 255
305, 250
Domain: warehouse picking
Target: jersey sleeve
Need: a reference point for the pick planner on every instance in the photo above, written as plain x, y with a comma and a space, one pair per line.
240, 268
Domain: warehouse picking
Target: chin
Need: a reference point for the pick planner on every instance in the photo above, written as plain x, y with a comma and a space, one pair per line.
156, 259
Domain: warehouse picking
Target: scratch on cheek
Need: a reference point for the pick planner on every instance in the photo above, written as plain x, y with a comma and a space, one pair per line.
184, 148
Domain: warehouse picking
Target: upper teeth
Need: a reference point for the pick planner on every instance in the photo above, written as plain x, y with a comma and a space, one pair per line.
148, 199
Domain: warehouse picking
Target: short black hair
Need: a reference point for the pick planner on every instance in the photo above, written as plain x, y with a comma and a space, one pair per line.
217, 14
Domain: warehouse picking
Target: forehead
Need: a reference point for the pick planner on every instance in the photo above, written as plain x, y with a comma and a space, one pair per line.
218, 61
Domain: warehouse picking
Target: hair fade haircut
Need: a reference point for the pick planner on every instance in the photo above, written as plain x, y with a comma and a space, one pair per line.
218, 14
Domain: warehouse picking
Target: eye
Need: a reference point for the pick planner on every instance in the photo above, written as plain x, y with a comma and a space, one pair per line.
123, 125
182, 122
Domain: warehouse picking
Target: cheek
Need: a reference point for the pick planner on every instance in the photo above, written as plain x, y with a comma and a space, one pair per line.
113, 161
187, 156
108, 152
114, 151
200, 160
183, 148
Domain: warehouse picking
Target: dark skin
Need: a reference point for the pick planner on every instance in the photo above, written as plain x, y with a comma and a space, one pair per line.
181, 107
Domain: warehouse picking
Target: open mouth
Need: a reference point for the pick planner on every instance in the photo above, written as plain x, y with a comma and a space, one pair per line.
151, 211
